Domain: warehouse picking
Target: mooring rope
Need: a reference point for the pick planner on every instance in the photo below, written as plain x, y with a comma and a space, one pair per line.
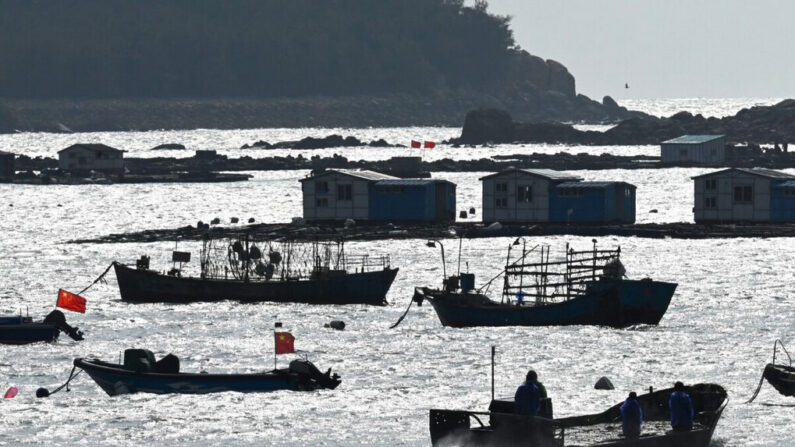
400, 320
756, 393
44, 392
99, 278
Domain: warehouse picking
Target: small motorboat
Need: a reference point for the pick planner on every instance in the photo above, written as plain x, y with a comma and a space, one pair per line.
782, 377
140, 373
500, 426
19, 330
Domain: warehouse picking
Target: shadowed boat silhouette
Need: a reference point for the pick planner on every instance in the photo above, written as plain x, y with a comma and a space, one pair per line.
586, 288
500, 426
312, 273
140, 373
19, 330
782, 377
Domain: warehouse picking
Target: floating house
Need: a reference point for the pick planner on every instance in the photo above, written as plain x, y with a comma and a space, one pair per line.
83, 158
592, 202
339, 194
697, 149
744, 195
7, 168
520, 195
547, 196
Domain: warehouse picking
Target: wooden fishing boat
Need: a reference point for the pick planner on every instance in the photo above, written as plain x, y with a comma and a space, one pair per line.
586, 288
500, 426
316, 273
782, 377
140, 373
18, 330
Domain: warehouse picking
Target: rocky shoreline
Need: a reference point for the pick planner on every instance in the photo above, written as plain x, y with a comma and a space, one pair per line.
748, 157
371, 231
761, 125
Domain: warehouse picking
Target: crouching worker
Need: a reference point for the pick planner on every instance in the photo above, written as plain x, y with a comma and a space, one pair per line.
631, 416
681, 409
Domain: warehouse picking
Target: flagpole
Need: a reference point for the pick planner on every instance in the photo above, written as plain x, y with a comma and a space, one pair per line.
275, 325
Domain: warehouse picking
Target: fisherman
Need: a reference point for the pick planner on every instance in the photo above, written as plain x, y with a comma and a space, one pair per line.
681, 409
527, 399
631, 416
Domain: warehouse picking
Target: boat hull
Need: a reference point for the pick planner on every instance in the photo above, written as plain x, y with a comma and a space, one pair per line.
504, 428
115, 381
615, 303
146, 286
25, 333
781, 377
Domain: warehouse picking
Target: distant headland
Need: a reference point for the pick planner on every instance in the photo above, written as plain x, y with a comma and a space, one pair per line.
87, 66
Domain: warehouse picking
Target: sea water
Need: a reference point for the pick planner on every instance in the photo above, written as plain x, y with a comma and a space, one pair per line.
735, 297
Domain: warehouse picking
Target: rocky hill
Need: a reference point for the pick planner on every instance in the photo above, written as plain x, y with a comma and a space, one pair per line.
152, 64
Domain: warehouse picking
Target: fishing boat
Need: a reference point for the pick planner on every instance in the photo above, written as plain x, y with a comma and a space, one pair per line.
500, 426
782, 377
583, 288
19, 330
313, 273
140, 373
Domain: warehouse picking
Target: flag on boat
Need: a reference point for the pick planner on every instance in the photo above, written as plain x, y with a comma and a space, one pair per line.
416, 144
71, 301
284, 342
430, 145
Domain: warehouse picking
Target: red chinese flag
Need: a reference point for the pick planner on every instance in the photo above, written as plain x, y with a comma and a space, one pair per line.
430, 145
284, 342
71, 301
416, 144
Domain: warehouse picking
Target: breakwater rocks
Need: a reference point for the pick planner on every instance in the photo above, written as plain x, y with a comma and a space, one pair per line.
331, 141
763, 125
747, 157
371, 231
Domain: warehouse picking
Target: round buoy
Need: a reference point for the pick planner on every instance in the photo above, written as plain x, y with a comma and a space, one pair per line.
604, 384
42, 392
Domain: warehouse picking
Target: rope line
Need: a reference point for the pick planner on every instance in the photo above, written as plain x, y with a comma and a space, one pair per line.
99, 278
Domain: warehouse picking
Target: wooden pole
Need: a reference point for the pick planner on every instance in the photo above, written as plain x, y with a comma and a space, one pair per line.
493, 351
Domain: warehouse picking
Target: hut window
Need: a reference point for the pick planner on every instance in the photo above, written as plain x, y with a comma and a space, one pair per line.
321, 187
524, 193
710, 202
711, 184
626, 193
344, 192
501, 187
321, 203
789, 192
743, 194
501, 203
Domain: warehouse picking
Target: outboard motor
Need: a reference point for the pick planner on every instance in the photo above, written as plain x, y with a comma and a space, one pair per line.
614, 269
308, 369
58, 319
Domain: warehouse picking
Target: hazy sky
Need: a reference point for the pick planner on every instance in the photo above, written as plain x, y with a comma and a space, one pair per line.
663, 48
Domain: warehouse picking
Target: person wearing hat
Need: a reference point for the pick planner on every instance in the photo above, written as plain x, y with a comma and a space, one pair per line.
631, 416
681, 408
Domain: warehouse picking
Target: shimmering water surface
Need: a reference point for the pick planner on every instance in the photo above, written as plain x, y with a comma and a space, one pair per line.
734, 299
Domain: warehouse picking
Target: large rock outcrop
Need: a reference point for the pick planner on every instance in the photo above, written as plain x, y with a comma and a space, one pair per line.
762, 124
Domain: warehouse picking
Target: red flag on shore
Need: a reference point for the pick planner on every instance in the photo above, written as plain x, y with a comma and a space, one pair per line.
71, 301
430, 145
284, 342
416, 144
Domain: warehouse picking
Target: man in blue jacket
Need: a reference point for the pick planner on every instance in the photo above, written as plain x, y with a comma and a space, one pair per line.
631, 416
681, 409
527, 399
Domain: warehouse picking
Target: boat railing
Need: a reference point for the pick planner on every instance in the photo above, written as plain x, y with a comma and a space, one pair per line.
552, 281
366, 263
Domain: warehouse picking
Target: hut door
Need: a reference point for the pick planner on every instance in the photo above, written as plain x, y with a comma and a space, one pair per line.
440, 202
621, 204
